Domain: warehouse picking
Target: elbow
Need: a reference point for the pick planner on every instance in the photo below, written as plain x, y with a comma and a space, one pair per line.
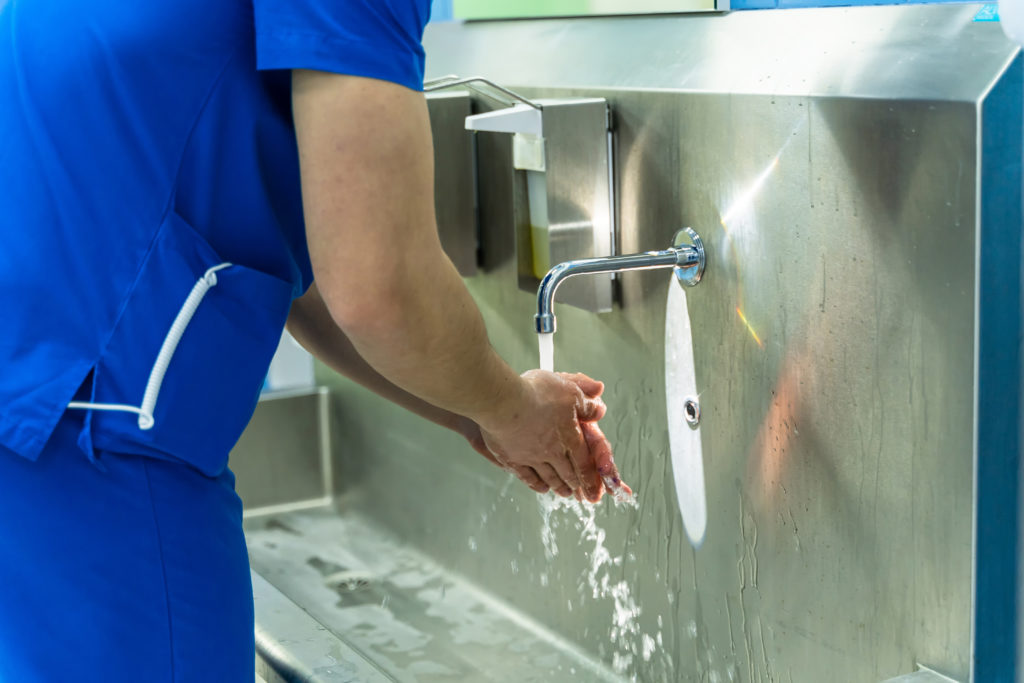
376, 295
368, 311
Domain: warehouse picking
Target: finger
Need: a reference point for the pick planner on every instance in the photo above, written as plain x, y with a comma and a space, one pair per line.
530, 477
591, 387
599, 448
590, 409
575, 460
602, 452
553, 479
587, 472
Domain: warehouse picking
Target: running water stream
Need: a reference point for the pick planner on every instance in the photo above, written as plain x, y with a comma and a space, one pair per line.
546, 343
603, 580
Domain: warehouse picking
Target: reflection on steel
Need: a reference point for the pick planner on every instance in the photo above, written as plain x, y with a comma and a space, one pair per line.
750, 328
687, 257
746, 199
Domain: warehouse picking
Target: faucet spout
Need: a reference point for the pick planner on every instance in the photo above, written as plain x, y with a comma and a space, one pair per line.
687, 257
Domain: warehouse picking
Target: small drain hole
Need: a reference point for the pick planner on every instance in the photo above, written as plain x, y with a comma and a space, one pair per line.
691, 410
348, 581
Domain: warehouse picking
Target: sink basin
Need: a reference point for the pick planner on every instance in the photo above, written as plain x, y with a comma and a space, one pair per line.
338, 597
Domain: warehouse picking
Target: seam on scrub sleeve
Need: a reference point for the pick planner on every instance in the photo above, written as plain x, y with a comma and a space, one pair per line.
163, 568
350, 57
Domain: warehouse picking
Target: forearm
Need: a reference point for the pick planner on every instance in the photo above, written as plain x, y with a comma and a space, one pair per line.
427, 335
368, 197
311, 324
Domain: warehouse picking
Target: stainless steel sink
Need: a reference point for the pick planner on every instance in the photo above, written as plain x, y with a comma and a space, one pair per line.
340, 598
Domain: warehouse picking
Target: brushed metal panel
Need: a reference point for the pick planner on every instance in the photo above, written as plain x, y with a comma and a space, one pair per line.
899, 52
454, 178
281, 456
835, 180
838, 458
579, 205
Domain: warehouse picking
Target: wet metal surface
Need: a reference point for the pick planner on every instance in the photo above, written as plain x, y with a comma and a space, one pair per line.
830, 161
397, 609
291, 646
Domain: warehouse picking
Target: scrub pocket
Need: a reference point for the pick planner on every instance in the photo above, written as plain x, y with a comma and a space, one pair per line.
215, 374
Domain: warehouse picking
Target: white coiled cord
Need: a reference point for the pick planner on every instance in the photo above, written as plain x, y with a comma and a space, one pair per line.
163, 359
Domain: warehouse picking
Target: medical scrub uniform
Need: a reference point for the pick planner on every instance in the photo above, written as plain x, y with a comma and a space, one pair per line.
151, 243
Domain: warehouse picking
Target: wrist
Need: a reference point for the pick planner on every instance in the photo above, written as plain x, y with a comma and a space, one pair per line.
507, 405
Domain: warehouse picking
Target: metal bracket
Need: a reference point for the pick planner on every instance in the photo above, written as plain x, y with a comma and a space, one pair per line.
507, 97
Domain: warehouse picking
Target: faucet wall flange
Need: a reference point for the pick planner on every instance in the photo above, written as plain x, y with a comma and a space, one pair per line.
689, 273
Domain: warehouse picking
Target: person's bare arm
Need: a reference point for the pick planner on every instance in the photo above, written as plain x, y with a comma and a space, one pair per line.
367, 180
311, 324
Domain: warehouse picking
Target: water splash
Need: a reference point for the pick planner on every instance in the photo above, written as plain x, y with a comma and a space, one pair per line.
619, 493
602, 579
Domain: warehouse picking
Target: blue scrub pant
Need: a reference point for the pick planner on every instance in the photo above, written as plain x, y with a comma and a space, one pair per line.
132, 571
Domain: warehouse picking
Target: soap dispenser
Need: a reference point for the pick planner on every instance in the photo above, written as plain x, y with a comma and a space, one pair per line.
562, 156
561, 150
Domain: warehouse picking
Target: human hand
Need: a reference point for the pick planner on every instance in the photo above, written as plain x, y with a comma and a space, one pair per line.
598, 444
541, 439
470, 431
601, 450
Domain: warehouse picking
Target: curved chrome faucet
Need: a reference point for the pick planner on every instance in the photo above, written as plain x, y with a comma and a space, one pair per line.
686, 257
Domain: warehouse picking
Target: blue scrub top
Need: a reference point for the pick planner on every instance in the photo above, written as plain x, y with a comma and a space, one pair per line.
142, 144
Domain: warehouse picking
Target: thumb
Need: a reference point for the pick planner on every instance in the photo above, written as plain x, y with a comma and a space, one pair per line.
590, 409
591, 387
